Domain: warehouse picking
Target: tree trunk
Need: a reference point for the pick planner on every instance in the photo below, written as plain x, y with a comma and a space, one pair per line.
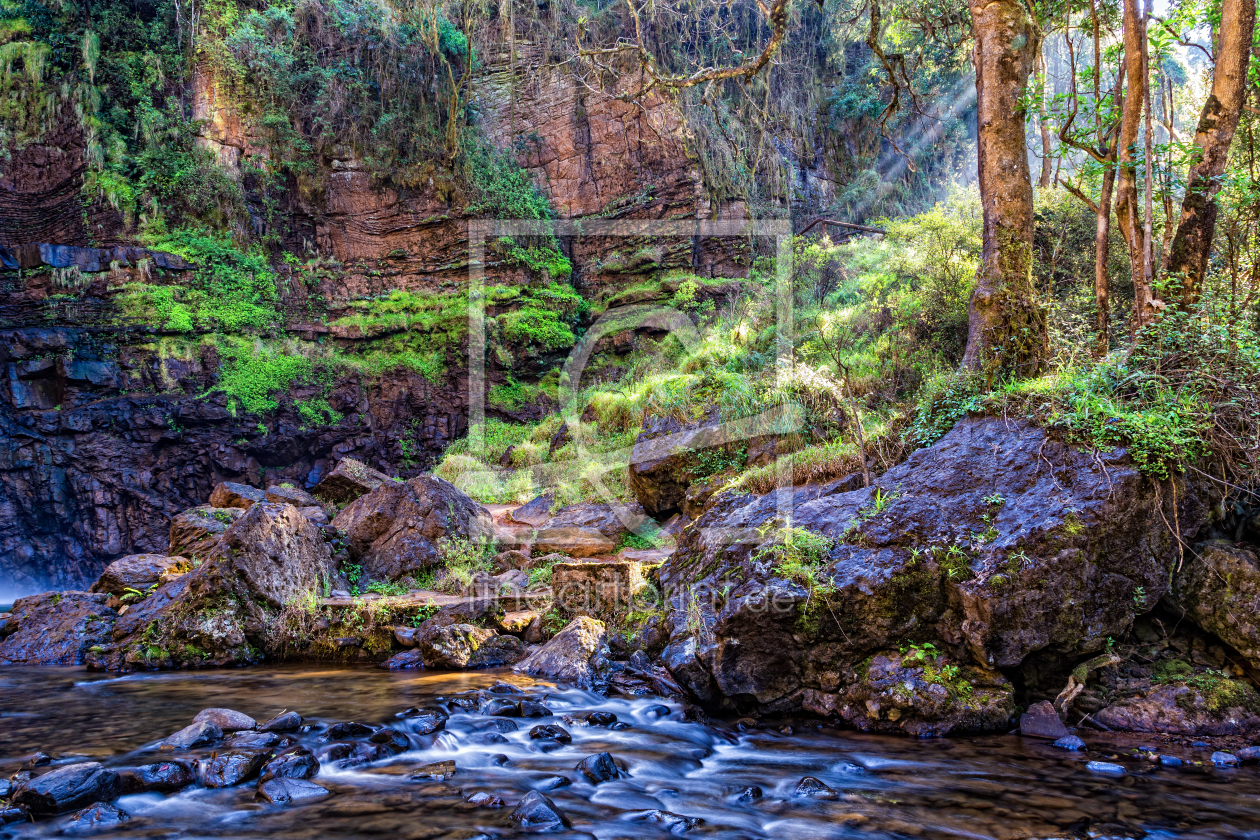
1102, 255
1006, 324
1192, 243
1043, 121
1127, 211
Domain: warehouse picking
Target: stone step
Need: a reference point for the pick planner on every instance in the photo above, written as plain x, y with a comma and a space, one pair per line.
427, 598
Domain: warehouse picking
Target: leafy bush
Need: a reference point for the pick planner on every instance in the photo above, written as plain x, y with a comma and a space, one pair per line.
253, 371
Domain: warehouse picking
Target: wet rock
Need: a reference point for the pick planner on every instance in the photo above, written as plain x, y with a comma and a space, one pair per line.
348, 729
667, 821
814, 789
405, 636
438, 770
67, 788
588, 529
921, 693
537, 811
286, 791
657, 711
283, 722
1058, 572
1042, 721
391, 741
136, 572
228, 769
277, 553
577, 654
195, 533
98, 817
39, 760
1218, 706
395, 530
1224, 759
197, 734
162, 776
287, 494
489, 738
404, 660
345, 754
1069, 742
12, 815
229, 494
297, 762
533, 709
600, 718
499, 760
1248, 754
56, 628
348, 481
485, 800
543, 731
552, 783
749, 794
6, 787
1170, 761
535, 513
426, 721
463, 646
252, 741
229, 720
597, 768
1106, 768
1218, 588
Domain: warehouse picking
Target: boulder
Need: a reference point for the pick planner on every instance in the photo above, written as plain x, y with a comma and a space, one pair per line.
296, 762
404, 660
536, 512
199, 733
288, 791
460, 647
283, 722
589, 529
228, 769
98, 817
397, 529
229, 494
1042, 721
315, 515
919, 693
137, 572
537, 811
348, 481
251, 740
597, 587
668, 456
1218, 588
161, 777
222, 612
56, 628
67, 788
287, 494
1213, 706
517, 622
578, 654
228, 720
597, 768
993, 544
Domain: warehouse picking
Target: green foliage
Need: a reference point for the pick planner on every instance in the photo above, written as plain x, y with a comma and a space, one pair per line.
253, 371
535, 330
316, 412
638, 541
387, 587
463, 559
498, 188
798, 555
949, 676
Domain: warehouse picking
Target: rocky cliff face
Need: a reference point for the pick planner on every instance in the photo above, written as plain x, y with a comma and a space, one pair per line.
108, 426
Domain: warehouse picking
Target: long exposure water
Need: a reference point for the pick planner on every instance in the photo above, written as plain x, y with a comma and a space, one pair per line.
886, 787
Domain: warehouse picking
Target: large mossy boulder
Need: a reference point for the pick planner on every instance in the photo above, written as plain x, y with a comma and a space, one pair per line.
55, 628
1217, 587
224, 611
398, 528
997, 543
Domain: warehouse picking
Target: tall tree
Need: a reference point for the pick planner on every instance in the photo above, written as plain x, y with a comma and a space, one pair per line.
1128, 211
1006, 323
1188, 254
1102, 149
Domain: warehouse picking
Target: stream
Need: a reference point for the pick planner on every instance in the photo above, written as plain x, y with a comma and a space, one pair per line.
679, 777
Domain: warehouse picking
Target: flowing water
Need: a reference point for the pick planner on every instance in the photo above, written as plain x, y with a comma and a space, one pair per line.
887, 787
